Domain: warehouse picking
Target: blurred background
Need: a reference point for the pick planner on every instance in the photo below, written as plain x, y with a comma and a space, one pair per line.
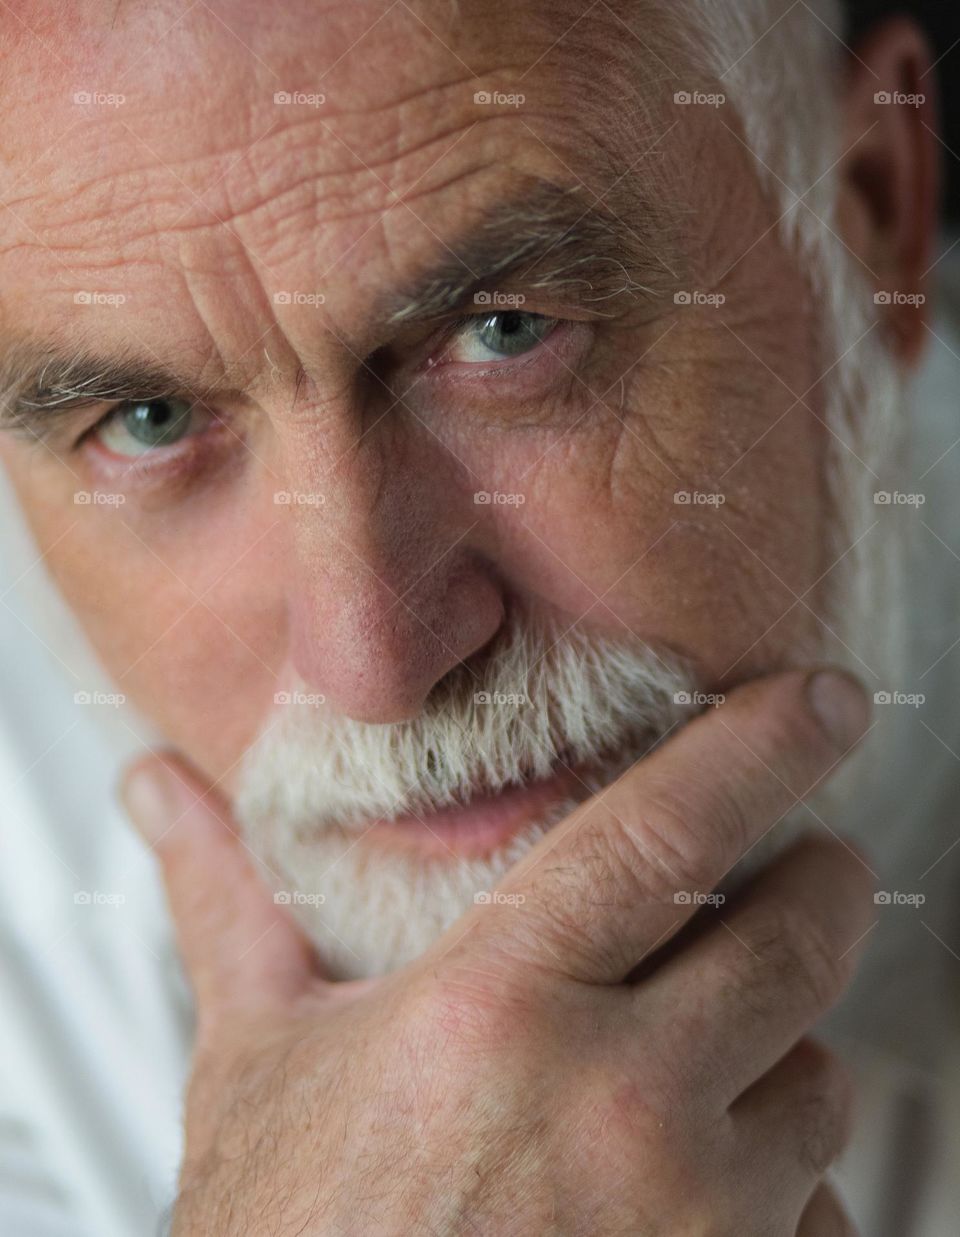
941, 19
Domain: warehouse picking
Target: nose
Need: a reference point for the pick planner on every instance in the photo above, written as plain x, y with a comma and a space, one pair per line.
386, 590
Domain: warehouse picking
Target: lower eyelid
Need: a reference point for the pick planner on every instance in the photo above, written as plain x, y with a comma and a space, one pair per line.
157, 465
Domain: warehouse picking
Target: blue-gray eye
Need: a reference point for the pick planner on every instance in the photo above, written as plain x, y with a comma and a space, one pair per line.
501, 335
136, 427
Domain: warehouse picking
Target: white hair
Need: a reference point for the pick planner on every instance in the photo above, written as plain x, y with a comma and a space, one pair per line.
545, 695
780, 65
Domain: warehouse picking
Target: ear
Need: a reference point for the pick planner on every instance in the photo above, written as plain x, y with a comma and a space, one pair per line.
890, 175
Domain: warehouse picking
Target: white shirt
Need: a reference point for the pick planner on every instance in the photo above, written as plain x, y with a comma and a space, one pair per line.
96, 1017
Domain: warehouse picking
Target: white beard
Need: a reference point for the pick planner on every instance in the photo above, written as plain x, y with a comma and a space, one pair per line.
311, 784
311, 781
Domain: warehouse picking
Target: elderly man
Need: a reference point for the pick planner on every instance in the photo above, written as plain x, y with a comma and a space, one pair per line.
461, 439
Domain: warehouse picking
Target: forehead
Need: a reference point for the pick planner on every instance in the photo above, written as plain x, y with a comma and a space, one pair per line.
181, 115
291, 144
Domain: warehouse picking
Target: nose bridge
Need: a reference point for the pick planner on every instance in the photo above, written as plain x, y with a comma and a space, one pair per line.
385, 591
335, 482
358, 542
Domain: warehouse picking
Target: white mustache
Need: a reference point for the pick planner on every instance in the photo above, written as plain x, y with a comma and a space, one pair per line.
540, 697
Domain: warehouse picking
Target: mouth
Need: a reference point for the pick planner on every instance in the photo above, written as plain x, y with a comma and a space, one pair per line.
486, 822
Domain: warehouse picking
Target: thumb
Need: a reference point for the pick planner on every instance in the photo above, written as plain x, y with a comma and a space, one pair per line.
239, 947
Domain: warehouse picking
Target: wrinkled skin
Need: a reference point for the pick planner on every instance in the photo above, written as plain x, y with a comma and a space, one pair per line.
509, 1081
198, 199
199, 216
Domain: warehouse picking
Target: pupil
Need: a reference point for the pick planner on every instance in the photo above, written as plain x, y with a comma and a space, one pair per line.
156, 422
513, 331
152, 415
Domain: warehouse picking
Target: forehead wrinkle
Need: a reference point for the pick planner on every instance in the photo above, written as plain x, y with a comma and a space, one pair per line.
551, 237
547, 236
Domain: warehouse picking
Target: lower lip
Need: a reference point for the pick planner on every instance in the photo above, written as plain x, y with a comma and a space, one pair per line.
484, 825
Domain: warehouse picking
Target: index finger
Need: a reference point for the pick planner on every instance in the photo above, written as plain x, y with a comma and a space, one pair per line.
238, 946
600, 891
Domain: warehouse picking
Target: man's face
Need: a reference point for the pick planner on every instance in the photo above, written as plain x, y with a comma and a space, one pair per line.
359, 358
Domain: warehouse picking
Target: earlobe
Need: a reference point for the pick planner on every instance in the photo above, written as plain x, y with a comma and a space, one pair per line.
890, 168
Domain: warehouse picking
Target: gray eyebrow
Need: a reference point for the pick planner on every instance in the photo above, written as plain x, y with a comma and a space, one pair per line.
41, 384
547, 238
555, 239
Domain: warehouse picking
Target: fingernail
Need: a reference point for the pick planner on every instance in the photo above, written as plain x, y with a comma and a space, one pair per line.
840, 705
149, 797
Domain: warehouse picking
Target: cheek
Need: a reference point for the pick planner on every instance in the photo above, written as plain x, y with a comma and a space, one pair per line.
190, 627
600, 532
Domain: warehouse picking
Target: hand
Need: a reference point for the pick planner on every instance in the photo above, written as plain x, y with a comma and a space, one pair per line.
511, 1081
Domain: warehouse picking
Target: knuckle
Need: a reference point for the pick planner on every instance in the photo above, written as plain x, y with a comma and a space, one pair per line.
651, 1099
702, 825
795, 957
668, 845
825, 1114
474, 1007
825, 1216
642, 1113
613, 865
643, 1128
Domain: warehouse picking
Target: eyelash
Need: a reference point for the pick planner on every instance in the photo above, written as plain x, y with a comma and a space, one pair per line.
470, 372
105, 417
559, 349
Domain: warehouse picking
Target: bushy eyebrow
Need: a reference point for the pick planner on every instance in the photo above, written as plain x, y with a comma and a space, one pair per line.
548, 239
40, 384
552, 239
